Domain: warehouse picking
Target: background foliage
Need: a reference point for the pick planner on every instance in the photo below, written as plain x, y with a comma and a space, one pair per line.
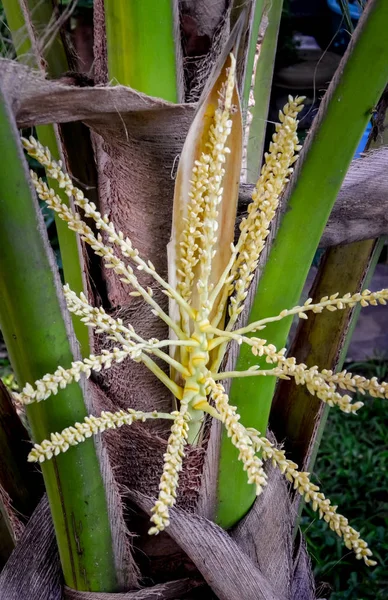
352, 463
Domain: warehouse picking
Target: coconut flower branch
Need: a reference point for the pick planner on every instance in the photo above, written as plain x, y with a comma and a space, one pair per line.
198, 340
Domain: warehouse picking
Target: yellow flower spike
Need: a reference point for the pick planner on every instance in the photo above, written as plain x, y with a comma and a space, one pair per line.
71, 436
252, 464
265, 199
173, 459
311, 493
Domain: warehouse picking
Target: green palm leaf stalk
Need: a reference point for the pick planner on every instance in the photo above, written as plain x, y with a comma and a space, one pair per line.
141, 49
24, 24
332, 142
262, 89
36, 336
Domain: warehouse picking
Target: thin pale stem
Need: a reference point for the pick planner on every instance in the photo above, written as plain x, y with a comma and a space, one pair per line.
254, 373
333, 303
104, 323
113, 262
54, 170
91, 425
50, 384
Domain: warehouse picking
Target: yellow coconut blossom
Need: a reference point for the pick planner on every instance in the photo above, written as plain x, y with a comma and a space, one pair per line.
199, 391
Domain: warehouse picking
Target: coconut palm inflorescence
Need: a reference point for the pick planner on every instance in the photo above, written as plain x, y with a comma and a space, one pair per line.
199, 336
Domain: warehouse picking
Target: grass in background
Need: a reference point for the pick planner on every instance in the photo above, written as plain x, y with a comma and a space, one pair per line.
352, 465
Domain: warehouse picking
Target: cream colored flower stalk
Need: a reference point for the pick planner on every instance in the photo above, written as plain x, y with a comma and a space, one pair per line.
311, 493
117, 331
353, 383
173, 459
314, 381
265, 199
332, 303
61, 378
252, 464
124, 271
198, 236
198, 337
218, 134
54, 171
249, 442
79, 432
322, 384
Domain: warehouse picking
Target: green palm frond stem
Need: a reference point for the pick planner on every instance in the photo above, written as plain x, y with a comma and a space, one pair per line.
339, 125
50, 55
252, 48
36, 337
141, 49
262, 89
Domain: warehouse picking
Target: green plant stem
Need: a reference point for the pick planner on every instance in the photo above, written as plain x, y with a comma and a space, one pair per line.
37, 341
52, 55
141, 46
262, 90
68, 243
332, 142
253, 39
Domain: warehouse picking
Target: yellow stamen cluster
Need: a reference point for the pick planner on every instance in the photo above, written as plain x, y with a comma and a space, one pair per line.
72, 436
173, 459
311, 493
253, 465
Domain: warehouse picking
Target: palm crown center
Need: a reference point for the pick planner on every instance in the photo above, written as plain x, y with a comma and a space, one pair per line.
202, 319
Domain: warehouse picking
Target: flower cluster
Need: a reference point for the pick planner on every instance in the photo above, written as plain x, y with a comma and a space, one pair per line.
194, 333
311, 493
255, 228
253, 465
173, 459
79, 432
265, 200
